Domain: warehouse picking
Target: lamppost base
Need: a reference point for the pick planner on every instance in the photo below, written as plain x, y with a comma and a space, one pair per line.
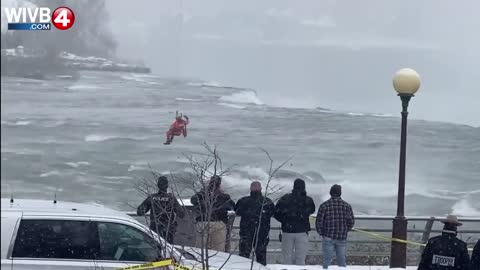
399, 250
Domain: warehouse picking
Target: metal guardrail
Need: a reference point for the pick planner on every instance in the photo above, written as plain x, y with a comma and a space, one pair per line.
365, 247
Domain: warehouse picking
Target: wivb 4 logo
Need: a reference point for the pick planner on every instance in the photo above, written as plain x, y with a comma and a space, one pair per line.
39, 18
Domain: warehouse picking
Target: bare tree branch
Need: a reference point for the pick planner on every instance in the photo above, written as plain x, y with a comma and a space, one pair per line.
202, 167
271, 173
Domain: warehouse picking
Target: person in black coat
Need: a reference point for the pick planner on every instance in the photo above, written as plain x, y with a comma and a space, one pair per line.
211, 206
212, 203
164, 208
293, 211
446, 251
255, 212
475, 263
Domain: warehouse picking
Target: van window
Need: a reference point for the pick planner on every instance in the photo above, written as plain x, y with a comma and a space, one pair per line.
59, 239
120, 242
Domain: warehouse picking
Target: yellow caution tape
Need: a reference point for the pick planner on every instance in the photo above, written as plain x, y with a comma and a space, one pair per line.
182, 267
386, 238
151, 265
389, 238
159, 264
393, 239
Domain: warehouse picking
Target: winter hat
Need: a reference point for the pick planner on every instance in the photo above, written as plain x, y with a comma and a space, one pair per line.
299, 184
256, 186
336, 191
162, 183
215, 182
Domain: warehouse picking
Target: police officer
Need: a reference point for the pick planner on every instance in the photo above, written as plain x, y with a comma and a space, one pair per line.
164, 209
475, 263
446, 251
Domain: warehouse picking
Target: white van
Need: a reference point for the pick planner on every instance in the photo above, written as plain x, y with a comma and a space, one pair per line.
39, 234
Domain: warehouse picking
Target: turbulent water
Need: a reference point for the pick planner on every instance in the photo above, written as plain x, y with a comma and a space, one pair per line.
93, 139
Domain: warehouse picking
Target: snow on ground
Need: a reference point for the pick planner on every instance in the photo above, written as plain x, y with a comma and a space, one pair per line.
334, 267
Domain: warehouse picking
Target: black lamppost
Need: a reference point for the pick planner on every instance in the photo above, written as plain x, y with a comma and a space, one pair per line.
406, 82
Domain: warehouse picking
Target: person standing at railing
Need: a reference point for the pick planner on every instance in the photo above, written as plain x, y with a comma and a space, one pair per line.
211, 206
446, 251
164, 209
334, 220
475, 263
293, 211
255, 211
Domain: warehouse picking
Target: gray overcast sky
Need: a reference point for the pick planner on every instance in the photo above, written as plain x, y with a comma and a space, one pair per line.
329, 53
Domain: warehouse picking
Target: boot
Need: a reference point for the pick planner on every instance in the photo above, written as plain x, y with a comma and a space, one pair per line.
169, 141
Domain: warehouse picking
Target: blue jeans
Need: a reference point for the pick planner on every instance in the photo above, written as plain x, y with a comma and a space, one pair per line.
330, 246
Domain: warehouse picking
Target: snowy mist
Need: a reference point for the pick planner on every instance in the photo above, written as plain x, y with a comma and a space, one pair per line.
334, 54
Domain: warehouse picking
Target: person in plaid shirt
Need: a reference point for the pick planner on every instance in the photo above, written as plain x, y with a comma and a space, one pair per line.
334, 220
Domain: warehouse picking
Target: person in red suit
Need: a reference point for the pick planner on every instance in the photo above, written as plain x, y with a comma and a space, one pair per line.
179, 127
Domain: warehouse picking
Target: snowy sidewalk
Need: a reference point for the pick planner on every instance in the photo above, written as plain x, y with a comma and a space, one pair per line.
319, 267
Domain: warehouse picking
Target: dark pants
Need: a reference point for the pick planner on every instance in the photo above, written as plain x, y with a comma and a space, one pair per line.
247, 241
163, 232
171, 134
